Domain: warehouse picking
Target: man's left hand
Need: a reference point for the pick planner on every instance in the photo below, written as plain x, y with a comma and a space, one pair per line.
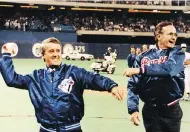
118, 92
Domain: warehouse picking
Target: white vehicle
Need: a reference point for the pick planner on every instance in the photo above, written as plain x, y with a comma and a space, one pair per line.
108, 65
76, 55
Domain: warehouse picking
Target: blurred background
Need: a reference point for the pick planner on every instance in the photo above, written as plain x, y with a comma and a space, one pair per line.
88, 27
91, 26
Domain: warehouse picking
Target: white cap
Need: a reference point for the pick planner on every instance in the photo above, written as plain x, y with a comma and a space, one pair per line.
183, 45
109, 48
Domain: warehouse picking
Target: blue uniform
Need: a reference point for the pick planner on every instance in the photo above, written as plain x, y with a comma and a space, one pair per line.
161, 82
56, 94
131, 59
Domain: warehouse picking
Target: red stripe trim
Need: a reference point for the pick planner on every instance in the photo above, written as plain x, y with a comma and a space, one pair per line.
172, 103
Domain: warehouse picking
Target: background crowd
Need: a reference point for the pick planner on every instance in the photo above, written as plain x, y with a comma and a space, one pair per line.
99, 21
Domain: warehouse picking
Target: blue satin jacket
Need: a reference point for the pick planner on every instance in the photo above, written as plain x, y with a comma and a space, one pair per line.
131, 60
56, 94
162, 80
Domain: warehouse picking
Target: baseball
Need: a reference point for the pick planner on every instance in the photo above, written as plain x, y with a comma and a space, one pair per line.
13, 46
10, 45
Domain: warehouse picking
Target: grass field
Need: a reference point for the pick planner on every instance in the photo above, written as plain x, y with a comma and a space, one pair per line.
103, 113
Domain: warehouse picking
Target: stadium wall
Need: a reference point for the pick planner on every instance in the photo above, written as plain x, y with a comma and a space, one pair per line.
34, 37
96, 49
26, 40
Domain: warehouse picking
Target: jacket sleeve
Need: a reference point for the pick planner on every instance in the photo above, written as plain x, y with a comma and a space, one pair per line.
132, 88
90, 80
11, 78
129, 57
172, 67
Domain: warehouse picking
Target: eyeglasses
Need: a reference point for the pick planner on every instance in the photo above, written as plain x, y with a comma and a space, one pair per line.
171, 34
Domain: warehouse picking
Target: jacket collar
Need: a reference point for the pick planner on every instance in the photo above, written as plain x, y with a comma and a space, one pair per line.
54, 67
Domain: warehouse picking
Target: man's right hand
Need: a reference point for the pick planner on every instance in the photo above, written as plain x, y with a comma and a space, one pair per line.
131, 71
135, 118
8, 48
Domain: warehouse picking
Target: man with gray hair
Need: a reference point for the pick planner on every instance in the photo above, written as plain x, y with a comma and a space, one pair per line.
158, 80
56, 91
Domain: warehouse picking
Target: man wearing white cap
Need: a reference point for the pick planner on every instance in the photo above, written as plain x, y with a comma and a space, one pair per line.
187, 71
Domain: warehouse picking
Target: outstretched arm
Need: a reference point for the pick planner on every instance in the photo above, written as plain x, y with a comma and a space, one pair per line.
172, 67
92, 81
12, 79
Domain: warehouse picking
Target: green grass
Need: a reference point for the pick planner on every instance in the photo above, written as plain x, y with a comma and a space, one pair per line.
103, 113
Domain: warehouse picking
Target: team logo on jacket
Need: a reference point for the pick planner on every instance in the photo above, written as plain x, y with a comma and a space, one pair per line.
148, 61
66, 85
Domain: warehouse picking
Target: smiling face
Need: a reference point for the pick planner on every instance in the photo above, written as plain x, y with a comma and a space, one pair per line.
167, 37
52, 53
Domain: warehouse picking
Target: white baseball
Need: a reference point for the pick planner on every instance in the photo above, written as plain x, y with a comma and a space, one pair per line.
10, 45
13, 46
